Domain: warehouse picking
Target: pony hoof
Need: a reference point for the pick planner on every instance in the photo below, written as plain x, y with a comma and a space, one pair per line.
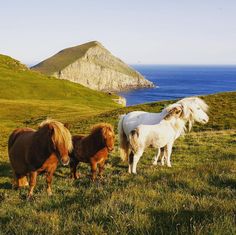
154, 163
49, 193
169, 165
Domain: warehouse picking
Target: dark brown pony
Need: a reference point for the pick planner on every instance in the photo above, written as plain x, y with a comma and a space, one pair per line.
92, 149
35, 151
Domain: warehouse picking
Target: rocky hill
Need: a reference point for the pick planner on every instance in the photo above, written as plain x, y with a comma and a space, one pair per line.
93, 66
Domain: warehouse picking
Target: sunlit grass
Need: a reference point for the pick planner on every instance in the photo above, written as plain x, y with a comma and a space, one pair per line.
195, 196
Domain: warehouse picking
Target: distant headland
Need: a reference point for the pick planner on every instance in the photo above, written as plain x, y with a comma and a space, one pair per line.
93, 66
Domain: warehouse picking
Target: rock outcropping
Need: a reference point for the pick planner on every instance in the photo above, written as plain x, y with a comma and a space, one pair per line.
93, 66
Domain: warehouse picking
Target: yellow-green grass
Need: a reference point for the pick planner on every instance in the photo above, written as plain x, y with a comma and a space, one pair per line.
27, 95
195, 196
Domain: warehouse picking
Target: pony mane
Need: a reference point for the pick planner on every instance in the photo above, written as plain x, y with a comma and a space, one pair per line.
179, 123
191, 100
169, 110
61, 135
189, 103
100, 126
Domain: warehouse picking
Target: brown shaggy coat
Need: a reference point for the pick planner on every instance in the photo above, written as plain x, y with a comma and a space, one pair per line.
92, 149
35, 151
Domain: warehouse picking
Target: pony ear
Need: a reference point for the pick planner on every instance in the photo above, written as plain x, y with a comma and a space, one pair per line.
104, 131
67, 125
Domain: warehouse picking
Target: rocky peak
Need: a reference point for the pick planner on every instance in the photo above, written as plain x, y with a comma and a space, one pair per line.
92, 65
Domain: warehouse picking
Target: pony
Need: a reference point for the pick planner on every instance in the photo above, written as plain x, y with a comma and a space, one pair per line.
194, 109
92, 149
34, 151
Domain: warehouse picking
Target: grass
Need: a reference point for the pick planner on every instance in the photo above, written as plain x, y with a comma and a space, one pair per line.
195, 196
27, 95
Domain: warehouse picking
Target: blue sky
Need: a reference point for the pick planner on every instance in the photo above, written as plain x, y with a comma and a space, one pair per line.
137, 31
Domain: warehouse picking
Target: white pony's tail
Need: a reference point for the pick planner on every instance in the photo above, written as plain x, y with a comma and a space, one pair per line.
133, 140
123, 141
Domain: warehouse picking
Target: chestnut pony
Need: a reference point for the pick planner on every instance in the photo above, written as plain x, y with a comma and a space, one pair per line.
92, 149
35, 151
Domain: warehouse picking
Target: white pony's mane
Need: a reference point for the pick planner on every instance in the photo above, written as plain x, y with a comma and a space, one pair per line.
179, 124
191, 100
189, 115
190, 105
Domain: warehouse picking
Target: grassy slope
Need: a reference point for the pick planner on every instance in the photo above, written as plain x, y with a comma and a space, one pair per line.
27, 94
69, 55
195, 196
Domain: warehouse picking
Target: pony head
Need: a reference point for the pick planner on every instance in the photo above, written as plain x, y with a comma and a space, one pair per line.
61, 140
194, 109
107, 133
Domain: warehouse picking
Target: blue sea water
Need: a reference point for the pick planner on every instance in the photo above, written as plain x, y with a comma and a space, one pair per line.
174, 82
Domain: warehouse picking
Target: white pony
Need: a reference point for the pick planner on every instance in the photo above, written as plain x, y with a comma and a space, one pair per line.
194, 109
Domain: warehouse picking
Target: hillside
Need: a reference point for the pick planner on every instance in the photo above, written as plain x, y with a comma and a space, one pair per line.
195, 196
92, 65
32, 92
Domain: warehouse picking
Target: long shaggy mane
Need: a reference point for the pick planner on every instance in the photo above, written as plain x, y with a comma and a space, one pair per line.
61, 135
101, 126
189, 104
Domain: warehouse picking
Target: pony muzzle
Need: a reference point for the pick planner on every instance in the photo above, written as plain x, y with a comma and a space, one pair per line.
65, 160
110, 149
205, 120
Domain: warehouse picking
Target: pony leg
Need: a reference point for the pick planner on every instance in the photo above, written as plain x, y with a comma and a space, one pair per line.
49, 181
130, 159
168, 153
156, 157
73, 167
135, 161
101, 168
20, 181
164, 155
33, 177
93, 170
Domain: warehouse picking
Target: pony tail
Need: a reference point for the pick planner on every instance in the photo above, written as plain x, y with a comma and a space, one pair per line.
133, 139
123, 141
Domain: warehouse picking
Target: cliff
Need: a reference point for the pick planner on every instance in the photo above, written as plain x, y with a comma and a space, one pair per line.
93, 66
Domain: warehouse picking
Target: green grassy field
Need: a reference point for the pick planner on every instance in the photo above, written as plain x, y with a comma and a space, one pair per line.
195, 196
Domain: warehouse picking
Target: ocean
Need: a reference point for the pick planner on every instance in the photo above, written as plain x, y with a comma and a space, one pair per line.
175, 82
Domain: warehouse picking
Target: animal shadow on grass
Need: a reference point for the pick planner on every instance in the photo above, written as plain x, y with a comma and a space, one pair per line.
223, 182
5, 171
229, 156
181, 222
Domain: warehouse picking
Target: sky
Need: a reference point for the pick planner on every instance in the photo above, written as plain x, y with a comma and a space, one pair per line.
136, 31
